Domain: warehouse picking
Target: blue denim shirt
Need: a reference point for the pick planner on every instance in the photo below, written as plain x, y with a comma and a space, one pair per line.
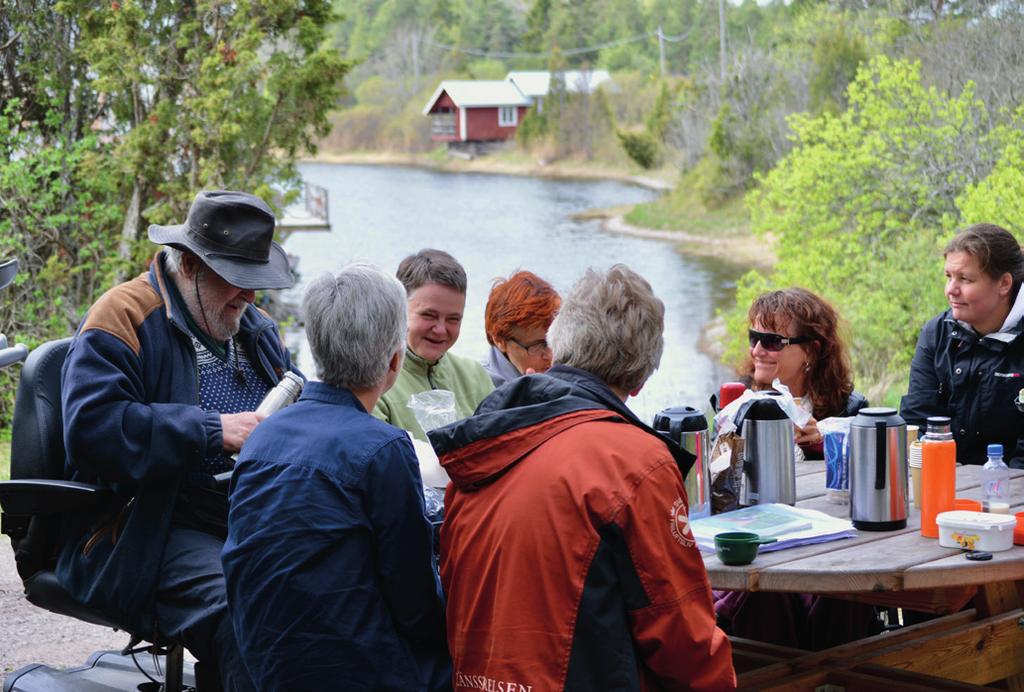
328, 561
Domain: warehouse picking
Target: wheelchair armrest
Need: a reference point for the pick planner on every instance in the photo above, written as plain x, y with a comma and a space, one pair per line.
9, 355
41, 497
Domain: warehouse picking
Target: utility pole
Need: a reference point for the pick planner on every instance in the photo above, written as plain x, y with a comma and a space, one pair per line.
661, 49
415, 60
721, 39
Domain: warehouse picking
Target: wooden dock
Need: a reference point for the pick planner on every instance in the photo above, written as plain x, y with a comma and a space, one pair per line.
309, 213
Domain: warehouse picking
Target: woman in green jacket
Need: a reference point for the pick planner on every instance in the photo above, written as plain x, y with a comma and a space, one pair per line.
435, 284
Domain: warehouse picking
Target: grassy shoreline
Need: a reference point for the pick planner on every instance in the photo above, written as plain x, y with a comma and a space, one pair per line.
506, 163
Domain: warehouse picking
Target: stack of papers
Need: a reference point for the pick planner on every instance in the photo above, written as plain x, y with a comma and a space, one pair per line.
792, 526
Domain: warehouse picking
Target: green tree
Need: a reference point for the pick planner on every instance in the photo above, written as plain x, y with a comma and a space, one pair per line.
644, 148
112, 117
837, 54
862, 205
61, 213
537, 21
999, 198
59, 199
488, 25
573, 23
209, 94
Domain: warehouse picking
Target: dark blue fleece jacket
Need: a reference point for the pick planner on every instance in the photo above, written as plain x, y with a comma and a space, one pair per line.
132, 422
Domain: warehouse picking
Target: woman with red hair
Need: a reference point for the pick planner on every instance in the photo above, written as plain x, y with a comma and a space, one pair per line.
519, 311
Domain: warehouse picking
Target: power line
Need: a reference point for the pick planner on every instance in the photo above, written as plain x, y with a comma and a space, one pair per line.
571, 51
675, 39
661, 46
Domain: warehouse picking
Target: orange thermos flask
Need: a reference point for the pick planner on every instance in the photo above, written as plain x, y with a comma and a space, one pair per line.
938, 473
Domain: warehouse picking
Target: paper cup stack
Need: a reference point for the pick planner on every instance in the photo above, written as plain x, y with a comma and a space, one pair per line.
914, 462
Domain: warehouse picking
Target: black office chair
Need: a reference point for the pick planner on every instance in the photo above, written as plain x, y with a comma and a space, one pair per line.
35, 497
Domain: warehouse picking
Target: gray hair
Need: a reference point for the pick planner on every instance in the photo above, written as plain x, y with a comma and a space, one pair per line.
355, 323
610, 325
429, 266
172, 259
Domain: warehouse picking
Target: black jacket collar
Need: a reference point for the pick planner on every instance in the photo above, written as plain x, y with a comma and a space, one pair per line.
533, 399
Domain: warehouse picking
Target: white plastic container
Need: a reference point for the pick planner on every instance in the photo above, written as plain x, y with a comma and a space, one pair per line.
976, 530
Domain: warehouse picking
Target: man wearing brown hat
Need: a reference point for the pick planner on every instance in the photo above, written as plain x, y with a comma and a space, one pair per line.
160, 387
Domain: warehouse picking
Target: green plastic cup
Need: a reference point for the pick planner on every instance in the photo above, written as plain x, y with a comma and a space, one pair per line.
738, 547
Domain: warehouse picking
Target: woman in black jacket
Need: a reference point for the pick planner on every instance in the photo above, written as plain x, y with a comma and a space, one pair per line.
969, 363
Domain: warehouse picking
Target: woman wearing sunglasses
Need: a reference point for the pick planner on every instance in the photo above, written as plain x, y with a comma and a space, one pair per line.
519, 311
794, 336
969, 363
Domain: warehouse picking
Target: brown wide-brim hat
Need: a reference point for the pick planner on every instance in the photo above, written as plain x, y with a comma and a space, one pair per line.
233, 234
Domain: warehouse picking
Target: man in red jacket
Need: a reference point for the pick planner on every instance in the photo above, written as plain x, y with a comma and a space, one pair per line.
567, 555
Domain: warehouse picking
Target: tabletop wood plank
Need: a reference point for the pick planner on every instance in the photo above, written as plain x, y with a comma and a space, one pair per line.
879, 560
810, 485
809, 466
875, 566
1004, 566
746, 577
886, 564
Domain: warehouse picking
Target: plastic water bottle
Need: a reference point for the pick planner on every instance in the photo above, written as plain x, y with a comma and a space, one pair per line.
995, 482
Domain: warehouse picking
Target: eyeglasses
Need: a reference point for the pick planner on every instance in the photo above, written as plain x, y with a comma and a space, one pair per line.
774, 342
535, 349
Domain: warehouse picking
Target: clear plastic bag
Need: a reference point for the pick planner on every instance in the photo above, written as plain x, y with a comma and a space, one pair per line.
434, 408
724, 419
433, 503
835, 433
726, 472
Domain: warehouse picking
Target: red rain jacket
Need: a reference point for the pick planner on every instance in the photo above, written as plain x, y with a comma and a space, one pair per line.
567, 557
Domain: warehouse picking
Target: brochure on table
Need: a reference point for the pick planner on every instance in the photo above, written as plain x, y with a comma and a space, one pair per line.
792, 526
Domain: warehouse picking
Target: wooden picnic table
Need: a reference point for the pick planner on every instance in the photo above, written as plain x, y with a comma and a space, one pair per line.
895, 569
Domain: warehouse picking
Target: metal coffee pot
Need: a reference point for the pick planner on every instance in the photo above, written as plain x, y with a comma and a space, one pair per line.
878, 470
769, 458
689, 429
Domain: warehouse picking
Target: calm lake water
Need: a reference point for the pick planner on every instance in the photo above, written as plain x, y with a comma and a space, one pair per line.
495, 224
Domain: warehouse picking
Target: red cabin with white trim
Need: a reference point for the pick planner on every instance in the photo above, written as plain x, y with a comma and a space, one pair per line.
475, 111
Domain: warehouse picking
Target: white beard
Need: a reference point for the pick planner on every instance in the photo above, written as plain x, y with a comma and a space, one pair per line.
210, 319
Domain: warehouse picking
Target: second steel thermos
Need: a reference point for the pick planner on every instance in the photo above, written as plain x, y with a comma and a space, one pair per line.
878, 470
769, 452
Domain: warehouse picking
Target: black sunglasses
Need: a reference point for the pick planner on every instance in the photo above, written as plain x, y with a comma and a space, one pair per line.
774, 342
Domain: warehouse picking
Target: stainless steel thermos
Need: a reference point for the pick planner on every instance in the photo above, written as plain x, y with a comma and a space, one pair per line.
769, 456
285, 392
878, 470
689, 429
